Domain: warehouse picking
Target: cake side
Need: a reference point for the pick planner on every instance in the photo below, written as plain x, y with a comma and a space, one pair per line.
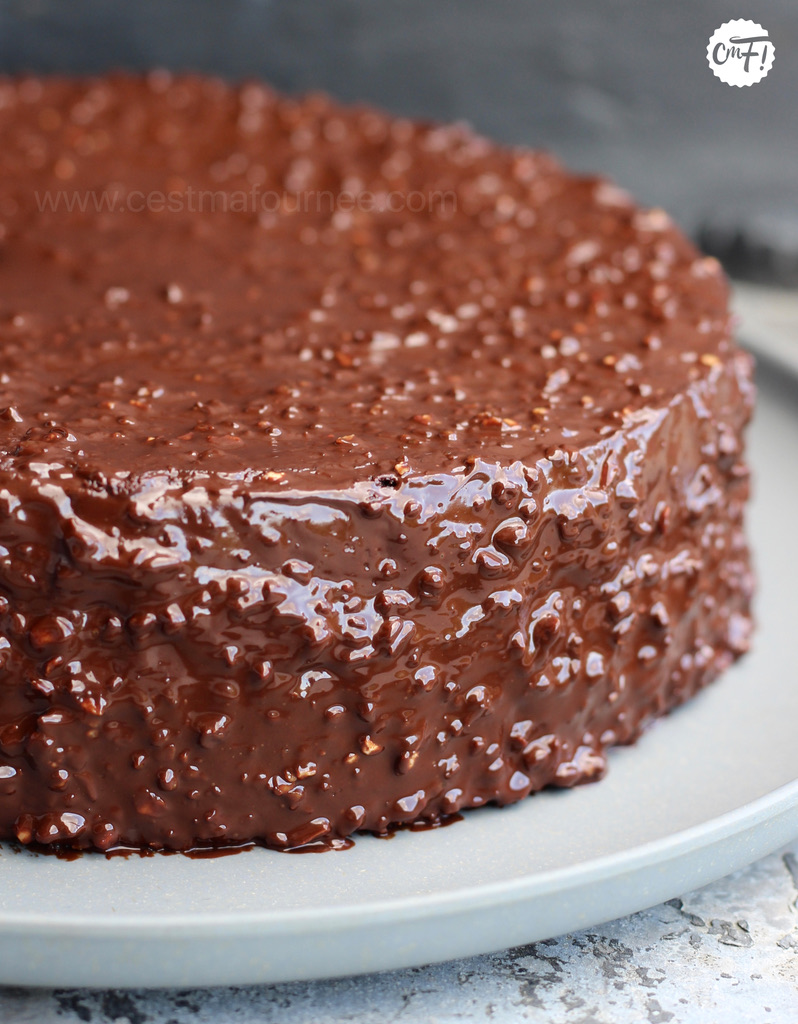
219, 664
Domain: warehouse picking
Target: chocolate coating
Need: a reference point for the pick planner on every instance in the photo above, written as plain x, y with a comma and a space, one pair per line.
319, 515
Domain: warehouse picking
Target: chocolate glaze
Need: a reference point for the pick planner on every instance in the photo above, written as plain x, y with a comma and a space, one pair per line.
321, 520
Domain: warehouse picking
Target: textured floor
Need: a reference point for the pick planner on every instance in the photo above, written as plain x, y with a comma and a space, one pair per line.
728, 952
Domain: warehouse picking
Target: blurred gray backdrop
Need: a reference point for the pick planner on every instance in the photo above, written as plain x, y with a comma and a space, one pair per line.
616, 86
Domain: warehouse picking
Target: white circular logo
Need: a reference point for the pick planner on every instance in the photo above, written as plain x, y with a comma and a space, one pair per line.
740, 52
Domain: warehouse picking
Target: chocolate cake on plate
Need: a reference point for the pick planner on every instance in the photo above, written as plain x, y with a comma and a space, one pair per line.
353, 471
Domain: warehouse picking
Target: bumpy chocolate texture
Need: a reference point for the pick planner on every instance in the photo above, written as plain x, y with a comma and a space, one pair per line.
321, 512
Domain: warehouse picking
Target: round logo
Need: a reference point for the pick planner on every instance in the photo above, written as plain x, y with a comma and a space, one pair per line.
740, 52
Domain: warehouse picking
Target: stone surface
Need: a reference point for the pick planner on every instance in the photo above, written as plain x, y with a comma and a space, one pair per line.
728, 952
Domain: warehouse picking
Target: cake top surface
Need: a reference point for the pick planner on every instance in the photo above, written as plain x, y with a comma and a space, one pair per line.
197, 278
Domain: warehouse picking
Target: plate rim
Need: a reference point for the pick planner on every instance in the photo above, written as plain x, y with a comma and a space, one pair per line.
666, 848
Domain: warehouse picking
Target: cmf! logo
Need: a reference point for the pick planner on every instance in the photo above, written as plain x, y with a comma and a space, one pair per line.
740, 52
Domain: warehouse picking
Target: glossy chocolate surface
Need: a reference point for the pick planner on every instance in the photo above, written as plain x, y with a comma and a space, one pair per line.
321, 513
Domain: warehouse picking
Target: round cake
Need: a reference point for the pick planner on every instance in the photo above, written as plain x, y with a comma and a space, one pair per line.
353, 470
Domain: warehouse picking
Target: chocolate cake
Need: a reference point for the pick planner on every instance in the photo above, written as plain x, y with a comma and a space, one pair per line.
353, 470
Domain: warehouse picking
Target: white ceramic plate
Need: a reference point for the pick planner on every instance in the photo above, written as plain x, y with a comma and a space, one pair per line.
704, 792
770, 321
